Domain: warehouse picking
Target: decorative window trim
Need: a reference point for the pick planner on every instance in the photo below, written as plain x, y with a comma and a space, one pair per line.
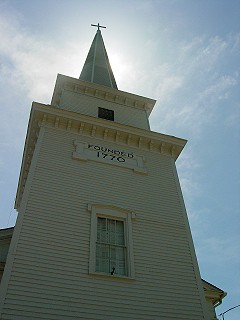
108, 211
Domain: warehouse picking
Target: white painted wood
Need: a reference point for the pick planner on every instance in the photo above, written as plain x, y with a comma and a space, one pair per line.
88, 105
49, 278
17, 229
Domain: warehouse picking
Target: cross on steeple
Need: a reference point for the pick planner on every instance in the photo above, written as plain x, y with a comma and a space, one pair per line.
97, 68
98, 26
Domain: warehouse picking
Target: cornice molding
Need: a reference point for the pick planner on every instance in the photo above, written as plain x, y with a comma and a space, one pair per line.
213, 293
100, 92
52, 117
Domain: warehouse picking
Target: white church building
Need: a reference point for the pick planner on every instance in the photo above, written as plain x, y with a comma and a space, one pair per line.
102, 230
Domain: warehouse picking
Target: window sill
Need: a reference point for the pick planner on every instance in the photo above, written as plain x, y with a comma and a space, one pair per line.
114, 276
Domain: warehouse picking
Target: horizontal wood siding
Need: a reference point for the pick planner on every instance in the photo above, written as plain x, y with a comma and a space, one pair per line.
89, 105
50, 277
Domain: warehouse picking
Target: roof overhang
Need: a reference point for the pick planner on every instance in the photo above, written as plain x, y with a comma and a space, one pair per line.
213, 293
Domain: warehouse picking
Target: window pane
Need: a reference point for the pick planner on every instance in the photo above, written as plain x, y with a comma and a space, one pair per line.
110, 246
120, 233
106, 114
117, 260
112, 231
102, 258
102, 230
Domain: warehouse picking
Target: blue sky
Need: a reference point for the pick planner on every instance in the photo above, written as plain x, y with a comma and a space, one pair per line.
183, 53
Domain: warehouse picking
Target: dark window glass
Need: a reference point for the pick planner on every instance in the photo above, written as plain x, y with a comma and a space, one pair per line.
110, 246
106, 114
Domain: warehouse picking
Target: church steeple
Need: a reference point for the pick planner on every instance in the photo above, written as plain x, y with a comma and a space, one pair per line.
92, 141
97, 68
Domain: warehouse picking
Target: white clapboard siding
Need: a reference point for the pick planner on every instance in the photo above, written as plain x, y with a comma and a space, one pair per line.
88, 105
50, 279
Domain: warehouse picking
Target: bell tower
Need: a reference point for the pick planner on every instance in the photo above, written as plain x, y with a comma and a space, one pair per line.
102, 230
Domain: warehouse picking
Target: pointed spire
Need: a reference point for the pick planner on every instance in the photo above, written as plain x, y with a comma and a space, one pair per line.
97, 68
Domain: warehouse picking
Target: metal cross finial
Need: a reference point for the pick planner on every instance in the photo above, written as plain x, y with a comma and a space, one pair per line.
98, 26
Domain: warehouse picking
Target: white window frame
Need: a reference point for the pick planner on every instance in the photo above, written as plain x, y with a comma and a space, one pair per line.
116, 213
